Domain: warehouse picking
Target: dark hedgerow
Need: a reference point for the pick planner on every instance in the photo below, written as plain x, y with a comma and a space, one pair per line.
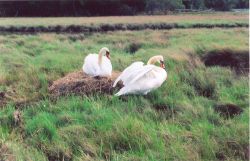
114, 27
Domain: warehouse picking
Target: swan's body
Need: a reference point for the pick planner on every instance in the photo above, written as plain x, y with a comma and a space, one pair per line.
141, 79
128, 73
98, 64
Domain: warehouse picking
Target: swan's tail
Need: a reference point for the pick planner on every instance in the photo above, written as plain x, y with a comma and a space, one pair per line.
118, 94
116, 81
121, 92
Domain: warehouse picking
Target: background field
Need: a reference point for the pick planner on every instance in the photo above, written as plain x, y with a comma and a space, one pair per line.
212, 18
175, 122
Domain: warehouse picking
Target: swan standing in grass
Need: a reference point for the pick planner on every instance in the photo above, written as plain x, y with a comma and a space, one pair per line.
141, 79
98, 64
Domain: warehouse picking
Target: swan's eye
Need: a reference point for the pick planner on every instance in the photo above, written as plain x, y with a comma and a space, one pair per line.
107, 54
162, 64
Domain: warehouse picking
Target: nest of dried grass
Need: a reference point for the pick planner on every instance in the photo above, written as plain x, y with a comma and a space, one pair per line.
79, 83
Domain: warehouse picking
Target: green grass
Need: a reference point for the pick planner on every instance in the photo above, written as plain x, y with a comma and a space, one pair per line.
103, 127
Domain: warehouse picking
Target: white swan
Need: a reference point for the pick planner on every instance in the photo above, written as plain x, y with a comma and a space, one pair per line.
141, 79
98, 65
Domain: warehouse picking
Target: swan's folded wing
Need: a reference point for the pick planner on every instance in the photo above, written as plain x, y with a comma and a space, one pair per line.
128, 72
90, 66
138, 74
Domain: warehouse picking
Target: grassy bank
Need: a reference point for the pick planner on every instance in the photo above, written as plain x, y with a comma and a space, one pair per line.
177, 121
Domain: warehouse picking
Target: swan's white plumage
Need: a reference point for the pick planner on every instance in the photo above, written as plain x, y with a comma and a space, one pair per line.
127, 74
94, 68
139, 79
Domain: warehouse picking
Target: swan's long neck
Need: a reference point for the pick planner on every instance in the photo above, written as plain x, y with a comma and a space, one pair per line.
100, 58
152, 60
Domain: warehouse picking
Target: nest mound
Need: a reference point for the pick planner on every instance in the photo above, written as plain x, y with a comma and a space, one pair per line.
79, 83
228, 110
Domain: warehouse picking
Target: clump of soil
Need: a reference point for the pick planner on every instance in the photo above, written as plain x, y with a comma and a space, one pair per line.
2, 99
11, 96
79, 83
162, 107
233, 148
165, 110
228, 110
237, 60
75, 37
220, 156
133, 47
247, 152
17, 117
58, 157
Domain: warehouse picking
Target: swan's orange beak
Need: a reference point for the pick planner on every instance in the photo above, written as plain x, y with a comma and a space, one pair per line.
108, 55
162, 65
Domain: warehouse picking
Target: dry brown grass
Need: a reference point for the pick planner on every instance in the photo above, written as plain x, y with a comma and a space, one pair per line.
78, 83
48, 37
179, 56
5, 153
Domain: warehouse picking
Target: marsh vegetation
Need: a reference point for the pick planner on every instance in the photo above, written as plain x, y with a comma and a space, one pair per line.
179, 121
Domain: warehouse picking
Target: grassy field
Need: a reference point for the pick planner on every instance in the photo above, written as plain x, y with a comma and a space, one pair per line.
175, 122
210, 18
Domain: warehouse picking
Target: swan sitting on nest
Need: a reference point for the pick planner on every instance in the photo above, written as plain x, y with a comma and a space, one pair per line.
98, 64
141, 79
